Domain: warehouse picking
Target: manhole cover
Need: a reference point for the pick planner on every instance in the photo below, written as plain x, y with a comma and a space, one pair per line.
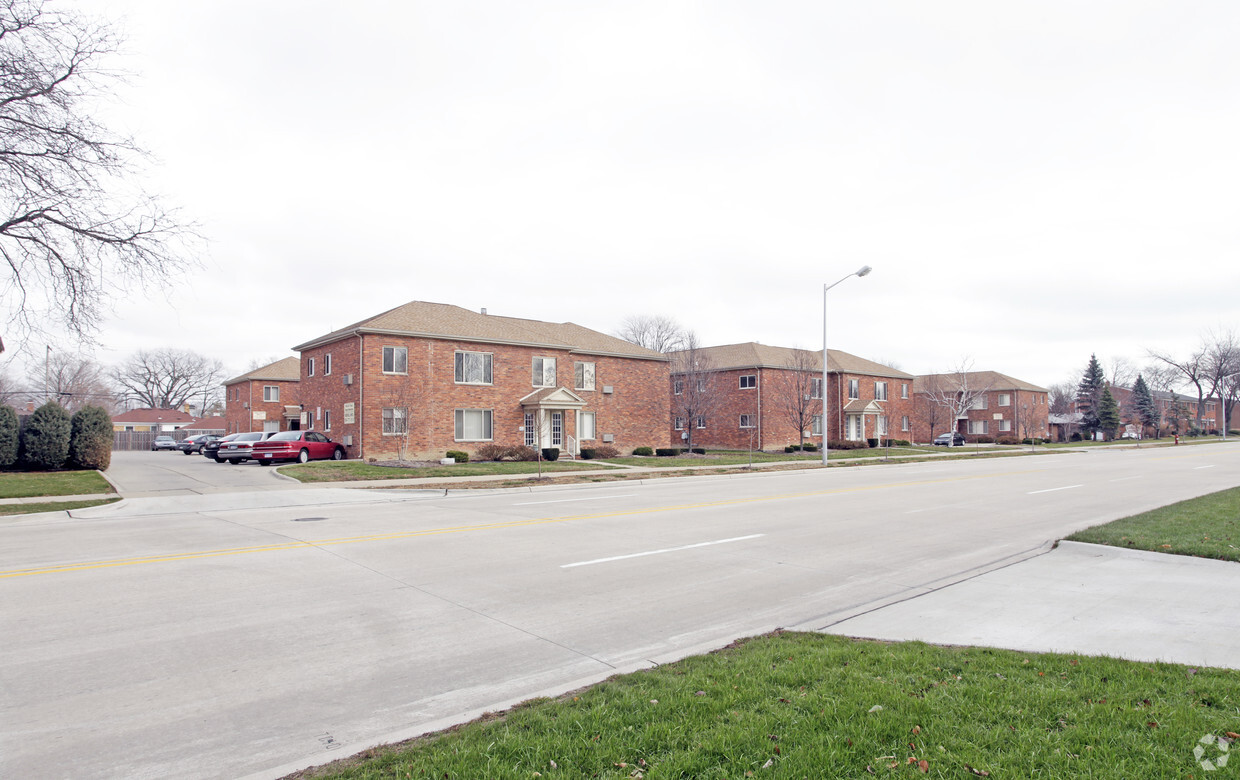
307, 519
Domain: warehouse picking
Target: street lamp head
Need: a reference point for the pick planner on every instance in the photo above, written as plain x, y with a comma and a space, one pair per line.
865, 269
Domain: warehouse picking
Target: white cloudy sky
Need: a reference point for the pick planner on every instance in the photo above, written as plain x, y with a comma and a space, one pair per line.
1031, 181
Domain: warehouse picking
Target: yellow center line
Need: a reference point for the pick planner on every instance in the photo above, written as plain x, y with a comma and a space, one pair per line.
309, 544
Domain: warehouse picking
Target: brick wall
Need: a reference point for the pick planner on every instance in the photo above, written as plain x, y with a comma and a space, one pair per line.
932, 420
243, 399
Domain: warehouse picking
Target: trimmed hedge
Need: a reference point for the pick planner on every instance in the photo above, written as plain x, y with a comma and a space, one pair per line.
600, 451
899, 443
668, 452
90, 438
551, 453
844, 444
644, 452
45, 439
458, 455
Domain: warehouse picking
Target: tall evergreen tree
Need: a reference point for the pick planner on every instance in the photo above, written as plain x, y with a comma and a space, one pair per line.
45, 439
9, 430
1089, 395
1144, 409
1108, 414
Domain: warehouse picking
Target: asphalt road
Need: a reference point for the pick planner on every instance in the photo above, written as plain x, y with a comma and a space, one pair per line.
172, 473
232, 641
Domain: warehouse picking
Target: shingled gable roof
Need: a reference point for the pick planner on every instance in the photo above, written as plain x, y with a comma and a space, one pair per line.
286, 370
754, 355
445, 321
992, 380
148, 416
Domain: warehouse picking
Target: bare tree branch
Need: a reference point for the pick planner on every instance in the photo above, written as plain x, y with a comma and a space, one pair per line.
74, 230
954, 392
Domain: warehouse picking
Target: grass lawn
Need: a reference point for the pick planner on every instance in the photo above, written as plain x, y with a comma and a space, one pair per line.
340, 471
29, 484
1208, 527
741, 457
811, 706
51, 506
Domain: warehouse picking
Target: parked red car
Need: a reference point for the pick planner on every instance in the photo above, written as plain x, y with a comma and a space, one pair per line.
300, 446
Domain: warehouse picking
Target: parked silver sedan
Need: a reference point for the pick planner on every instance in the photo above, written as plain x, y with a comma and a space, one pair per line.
240, 447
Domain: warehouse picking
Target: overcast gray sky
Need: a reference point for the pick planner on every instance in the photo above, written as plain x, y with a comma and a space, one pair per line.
1031, 181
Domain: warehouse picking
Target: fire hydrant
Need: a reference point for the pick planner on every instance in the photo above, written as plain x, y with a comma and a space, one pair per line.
1177, 438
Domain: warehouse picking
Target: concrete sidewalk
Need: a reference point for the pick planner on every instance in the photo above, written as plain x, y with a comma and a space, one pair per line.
1078, 598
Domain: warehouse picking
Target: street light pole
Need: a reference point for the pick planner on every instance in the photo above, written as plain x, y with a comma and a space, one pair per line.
862, 271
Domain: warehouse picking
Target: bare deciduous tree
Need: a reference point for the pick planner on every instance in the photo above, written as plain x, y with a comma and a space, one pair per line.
71, 380
74, 229
1121, 372
1062, 396
955, 391
696, 395
168, 378
1222, 365
797, 397
1194, 369
657, 332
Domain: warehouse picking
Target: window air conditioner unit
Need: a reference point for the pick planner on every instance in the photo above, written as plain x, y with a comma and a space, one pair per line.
245, 406
608, 389
609, 437
347, 441
348, 379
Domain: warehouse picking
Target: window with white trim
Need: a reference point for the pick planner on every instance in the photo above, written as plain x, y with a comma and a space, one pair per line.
979, 402
815, 388
747, 421
701, 422
542, 373
557, 429
904, 389
854, 389
880, 391
583, 376
327, 364
472, 368
904, 423
749, 381
1005, 426
678, 386
394, 421
529, 429
327, 419
978, 426
679, 424
882, 425
271, 393
1005, 399
815, 425
309, 366
473, 425
701, 384
585, 425
395, 360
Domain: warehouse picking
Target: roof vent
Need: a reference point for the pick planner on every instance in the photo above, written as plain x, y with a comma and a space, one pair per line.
484, 310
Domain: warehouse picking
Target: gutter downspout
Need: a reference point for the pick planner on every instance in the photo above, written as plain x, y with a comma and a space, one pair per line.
361, 383
758, 371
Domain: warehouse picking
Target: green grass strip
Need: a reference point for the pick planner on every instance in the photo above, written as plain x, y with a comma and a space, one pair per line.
812, 706
332, 471
31, 484
51, 506
1207, 527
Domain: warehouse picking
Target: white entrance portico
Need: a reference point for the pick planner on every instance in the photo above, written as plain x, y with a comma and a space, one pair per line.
546, 416
855, 426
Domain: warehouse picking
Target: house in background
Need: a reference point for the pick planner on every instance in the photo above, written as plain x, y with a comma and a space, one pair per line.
1006, 408
202, 425
758, 394
265, 399
418, 380
151, 420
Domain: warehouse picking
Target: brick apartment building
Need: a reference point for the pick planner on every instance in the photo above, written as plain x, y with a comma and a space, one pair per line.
265, 399
754, 388
424, 378
1008, 407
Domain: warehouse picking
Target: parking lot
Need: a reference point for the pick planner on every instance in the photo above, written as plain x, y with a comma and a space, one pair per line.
171, 472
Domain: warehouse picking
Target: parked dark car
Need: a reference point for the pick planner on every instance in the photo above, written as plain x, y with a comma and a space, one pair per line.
209, 449
163, 443
300, 446
237, 447
949, 440
192, 444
